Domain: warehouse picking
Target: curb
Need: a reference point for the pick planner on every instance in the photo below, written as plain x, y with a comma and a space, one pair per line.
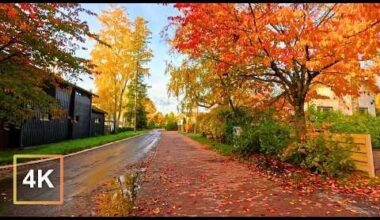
10, 166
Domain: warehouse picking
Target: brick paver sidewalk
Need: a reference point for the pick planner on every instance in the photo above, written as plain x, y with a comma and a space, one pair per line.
185, 178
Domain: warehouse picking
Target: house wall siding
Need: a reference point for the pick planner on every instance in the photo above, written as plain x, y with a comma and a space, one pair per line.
82, 109
36, 132
76, 105
97, 128
347, 104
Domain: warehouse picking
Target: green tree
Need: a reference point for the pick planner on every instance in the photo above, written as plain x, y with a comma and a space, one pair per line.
137, 91
37, 43
141, 55
170, 121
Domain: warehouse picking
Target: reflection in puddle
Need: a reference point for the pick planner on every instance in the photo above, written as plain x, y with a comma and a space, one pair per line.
118, 197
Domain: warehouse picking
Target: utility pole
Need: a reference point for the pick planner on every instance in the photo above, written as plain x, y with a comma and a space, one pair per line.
135, 106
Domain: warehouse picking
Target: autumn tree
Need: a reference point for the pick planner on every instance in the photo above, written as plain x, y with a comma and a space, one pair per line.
291, 47
141, 55
157, 120
192, 80
120, 63
170, 121
37, 43
150, 109
147, 114
198, 85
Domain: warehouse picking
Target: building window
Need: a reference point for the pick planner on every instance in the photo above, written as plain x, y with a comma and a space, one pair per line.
363, 109
325, 108
97, 120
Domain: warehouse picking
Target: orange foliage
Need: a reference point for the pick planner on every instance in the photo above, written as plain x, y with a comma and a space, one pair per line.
291, 47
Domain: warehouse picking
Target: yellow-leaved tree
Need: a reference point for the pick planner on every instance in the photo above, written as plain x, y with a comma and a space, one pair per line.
141, 55
119, 62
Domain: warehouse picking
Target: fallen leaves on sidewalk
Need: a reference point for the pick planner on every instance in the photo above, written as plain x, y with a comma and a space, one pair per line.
191, 181
292, 178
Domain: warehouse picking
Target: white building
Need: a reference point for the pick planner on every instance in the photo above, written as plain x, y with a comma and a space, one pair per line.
364, 103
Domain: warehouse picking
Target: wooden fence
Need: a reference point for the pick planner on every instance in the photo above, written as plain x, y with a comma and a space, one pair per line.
361, 153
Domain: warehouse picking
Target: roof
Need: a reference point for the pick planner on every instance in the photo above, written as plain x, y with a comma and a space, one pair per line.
98, 110
65, 82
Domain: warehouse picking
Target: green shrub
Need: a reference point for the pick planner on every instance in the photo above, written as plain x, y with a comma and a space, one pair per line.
325, 157
360, 123
219, 122
274, 136
337, 122
212, 123
242, 117
266, 135
171, 126
248, 143
321, 119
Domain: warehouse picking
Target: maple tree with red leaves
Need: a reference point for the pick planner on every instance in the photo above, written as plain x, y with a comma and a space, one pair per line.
290, 47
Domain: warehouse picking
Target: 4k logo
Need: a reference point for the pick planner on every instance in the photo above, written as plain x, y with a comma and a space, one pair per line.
38, 183
29, 179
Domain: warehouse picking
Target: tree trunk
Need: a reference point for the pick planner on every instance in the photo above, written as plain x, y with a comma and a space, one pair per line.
300, 122
135, 113
135, 105
115, 123
196, 121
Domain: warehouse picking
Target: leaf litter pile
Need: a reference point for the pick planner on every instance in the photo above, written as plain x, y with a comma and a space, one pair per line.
293, 178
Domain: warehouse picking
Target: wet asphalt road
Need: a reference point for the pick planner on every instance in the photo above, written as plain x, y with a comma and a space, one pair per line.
82, 174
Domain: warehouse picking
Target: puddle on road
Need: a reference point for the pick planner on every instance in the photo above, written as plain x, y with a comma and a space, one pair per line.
118, 195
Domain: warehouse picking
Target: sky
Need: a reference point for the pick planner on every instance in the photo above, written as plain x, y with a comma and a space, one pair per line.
156, 15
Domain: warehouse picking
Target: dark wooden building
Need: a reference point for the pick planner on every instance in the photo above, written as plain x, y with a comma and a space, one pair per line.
78, 120
97, 121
